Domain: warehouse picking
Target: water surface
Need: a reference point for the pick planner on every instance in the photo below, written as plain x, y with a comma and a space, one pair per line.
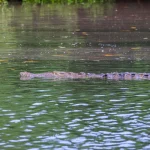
82, 113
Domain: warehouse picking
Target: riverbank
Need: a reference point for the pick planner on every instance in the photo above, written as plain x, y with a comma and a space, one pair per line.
57, 1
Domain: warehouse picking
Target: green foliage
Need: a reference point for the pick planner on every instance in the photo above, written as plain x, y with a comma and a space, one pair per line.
67, 1
3, 1
61, 1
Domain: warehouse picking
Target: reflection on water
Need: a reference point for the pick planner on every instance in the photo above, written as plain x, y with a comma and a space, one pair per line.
74, 114
95, 32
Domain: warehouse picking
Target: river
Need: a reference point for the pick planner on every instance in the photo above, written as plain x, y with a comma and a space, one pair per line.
82, 113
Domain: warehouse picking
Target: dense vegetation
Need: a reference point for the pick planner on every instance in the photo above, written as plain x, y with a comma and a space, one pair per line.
62, 1
65, 1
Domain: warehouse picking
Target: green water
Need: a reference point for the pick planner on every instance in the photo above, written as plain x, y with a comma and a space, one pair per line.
74, 114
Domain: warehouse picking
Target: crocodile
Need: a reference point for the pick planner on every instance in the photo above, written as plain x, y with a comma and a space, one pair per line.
82, 75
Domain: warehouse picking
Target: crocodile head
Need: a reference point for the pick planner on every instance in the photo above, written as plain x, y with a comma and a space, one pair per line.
25, 74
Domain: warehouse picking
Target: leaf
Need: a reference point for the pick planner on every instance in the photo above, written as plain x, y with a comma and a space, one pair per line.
136, 48
134, 28
3, 60
85, 33
30, 61
109, 55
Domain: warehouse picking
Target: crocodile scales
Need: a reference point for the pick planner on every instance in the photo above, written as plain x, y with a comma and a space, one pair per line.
82, 75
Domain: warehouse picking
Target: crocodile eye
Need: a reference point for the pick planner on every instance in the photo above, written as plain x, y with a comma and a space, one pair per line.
105, 75
81, 73
145, 75
132, 74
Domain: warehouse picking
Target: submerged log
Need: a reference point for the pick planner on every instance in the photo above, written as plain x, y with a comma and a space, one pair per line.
82, 75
